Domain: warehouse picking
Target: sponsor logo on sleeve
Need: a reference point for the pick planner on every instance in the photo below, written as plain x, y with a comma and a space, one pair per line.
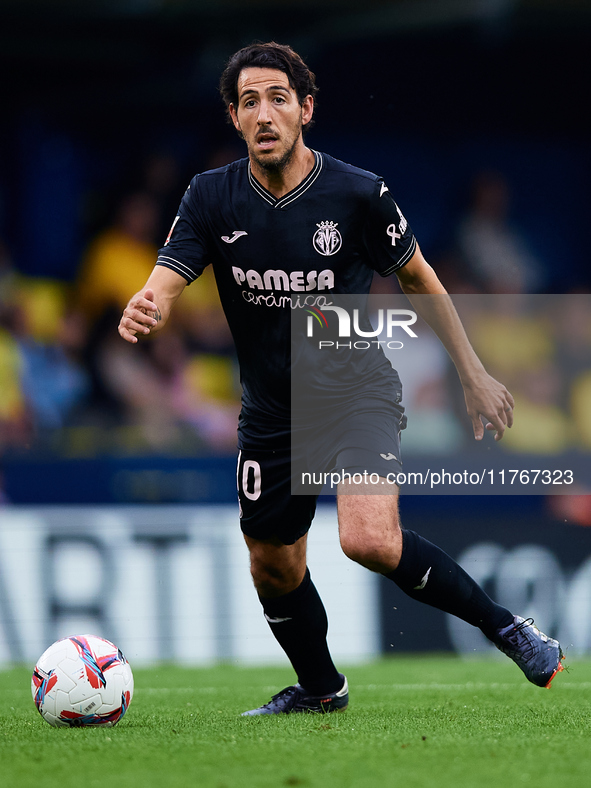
171, 229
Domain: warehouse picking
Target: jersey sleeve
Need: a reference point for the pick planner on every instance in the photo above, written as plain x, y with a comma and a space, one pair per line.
185, 249
389, 241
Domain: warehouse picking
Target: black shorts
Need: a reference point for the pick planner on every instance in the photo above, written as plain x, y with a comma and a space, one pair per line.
278, 500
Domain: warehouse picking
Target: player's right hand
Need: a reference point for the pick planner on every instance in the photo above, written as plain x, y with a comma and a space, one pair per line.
138, 316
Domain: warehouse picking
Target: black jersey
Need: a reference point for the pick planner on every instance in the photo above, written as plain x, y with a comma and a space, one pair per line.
271, 256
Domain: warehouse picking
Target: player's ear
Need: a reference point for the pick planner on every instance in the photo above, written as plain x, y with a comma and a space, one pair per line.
307, 109
234, 116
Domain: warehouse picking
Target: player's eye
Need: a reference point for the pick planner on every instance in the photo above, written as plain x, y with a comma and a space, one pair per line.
279, 100
249, 103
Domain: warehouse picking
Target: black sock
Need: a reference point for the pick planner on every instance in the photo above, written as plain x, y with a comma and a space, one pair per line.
303, 636
429, 575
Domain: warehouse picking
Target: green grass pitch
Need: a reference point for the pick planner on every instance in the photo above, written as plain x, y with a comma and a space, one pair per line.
412, 722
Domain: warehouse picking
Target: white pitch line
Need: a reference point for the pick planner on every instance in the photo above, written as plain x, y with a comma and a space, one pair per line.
382, 687
475, 686
468, 686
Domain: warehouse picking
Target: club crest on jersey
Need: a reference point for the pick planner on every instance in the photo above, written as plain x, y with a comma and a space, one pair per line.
327, 239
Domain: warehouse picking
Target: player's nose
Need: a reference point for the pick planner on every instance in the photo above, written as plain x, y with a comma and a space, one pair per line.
264, 117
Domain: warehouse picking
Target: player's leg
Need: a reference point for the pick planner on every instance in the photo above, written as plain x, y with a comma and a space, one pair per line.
277, 569
275, 527
294, 611
370, 534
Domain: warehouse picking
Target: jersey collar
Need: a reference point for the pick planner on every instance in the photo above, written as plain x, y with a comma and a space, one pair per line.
294, 194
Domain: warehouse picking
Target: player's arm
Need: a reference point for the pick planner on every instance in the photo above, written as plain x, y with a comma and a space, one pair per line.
149, 309
484, 395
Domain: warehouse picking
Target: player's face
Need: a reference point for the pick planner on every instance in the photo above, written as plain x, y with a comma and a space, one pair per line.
269, 116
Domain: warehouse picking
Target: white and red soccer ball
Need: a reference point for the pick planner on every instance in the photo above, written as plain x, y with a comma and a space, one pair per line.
82, 680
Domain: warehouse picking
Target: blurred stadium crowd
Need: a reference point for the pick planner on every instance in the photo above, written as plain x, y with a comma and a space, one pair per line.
71, 384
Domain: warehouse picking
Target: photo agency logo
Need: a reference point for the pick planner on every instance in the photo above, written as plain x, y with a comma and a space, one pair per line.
352, 335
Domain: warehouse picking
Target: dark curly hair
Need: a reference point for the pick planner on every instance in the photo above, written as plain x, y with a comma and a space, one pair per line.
269, 55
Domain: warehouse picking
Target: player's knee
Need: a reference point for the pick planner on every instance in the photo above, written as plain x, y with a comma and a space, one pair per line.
271, 580
374, 552
361, 550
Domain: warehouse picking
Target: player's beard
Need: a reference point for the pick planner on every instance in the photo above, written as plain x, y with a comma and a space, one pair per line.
279, 162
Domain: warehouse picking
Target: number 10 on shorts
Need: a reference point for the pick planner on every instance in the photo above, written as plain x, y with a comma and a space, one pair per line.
249, 482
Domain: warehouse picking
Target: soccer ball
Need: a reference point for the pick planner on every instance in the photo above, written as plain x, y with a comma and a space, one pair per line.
82, 680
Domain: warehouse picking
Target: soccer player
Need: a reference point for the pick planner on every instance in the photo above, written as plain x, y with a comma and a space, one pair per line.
286, 228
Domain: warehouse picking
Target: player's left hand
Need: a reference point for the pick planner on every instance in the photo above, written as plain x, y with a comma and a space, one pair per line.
488, 399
